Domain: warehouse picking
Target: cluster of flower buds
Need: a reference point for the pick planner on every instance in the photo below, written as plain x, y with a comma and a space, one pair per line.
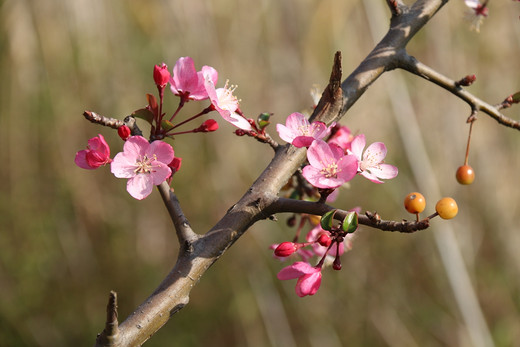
328, 242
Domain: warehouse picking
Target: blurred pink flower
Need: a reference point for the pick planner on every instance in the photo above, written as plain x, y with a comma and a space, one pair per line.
96, 154
478, 13
329, 166
371, 163
225, 103
188, 82
309, 277
343, 138
144, 164
299, 132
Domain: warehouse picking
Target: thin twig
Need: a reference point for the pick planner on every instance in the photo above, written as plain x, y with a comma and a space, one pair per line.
414, 66
369, 219
182, 226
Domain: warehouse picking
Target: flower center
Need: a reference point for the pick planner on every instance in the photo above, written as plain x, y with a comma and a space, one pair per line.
226, 99
144, 164
330, 170
304, 130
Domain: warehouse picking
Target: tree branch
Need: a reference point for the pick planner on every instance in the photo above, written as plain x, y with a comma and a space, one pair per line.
370, 219
410, 64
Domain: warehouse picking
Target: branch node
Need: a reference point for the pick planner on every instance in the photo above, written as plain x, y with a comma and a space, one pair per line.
110, 335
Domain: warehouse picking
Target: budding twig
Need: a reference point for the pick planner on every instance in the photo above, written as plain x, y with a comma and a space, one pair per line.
369, 219
412, 65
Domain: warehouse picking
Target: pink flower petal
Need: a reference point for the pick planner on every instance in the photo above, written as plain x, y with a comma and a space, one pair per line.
308, 284
160, 173
162, 151
319, 154
357, 145
295, 270
81, 160
139, 186
375, 153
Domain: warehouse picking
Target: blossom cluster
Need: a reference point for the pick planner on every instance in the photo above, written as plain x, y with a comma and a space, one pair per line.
334, 157
149, 163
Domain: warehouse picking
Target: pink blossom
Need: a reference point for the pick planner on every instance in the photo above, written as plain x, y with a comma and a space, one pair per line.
329, 166
188, 82
144, 164
225, 103
478, 13
96, 154
309, 277
371, 163
161, 75
343, 138
299, 132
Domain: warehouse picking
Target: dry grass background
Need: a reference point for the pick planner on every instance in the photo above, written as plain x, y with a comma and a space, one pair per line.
69, 236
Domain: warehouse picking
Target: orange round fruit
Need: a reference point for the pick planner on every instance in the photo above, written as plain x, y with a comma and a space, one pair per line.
446, 208
465, 174
414, 203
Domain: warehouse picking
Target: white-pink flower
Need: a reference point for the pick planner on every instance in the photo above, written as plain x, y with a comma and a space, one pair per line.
188, 82
300, 132
96, 154
144, 164
309, 277
329, 166
370, 162
225, 103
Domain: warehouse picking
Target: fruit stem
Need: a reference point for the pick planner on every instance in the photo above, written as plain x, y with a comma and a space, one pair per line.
469, 139
432, 216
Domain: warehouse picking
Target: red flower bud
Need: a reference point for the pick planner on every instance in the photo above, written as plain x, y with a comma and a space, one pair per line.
285, 249
161, 75
324, 240
124, 132
175, 165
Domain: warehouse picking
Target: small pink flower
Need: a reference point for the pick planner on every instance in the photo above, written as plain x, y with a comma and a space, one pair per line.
478, 13
96, 154
371, 163
225, 103
343, 138
161, 75
309, 277
329, 166
299, 132
144, 164
188, 82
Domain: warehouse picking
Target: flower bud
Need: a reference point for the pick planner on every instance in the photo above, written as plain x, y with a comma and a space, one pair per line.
161, 75
336, 265
124, 132
208, 126
324, 240
285, 249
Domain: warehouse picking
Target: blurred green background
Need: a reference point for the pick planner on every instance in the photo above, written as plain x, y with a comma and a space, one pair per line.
68, 236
